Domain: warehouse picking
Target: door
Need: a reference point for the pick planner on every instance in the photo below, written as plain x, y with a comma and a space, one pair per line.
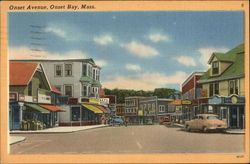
241, 117
233, 117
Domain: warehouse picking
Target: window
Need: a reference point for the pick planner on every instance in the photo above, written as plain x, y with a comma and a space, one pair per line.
68, 69
75, 114
94, 73
68, 90
84, 70
84, 90
30, 89
215, 67
233, 87
89, 70
58, 70
213, 89
161, 108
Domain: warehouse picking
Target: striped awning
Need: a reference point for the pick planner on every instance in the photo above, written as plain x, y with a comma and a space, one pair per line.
37, 108
93, 108
102, 108
52, 108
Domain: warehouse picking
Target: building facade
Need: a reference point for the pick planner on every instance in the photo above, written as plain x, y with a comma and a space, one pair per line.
132, 113
223, 86
79, 82
192, 91
32, 99
120, 109
153, 109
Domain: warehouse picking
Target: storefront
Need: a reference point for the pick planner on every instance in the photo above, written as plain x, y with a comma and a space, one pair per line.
230, 109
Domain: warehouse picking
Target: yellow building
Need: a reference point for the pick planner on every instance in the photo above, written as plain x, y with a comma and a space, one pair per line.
223, 85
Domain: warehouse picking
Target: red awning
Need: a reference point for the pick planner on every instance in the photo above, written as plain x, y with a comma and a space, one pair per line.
52, 108
102, 109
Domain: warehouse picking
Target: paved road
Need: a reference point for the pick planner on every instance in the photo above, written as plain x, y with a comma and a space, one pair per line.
131, 139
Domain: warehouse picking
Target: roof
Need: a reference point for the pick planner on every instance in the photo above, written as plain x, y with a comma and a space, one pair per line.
191, 76
236, 69
21, 72
54, 89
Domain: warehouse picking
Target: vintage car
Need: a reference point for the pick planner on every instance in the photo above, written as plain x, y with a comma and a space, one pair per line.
116, 120
164, 120
205, 123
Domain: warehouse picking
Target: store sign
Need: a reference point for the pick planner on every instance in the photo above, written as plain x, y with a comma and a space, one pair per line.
104, 101
234, 100
12, 97
21, 97
44, 96
186, 102
176, 102
215, 100
72, 101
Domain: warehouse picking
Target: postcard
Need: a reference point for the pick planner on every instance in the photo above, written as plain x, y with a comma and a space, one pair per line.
124, 81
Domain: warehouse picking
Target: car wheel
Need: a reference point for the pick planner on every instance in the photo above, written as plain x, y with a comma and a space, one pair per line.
187, 128
204, 129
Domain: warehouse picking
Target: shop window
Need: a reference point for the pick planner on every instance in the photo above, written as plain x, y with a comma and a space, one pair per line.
75, 114
68, 69
58, 70
30, 89
215, 67
84, 70
69, 90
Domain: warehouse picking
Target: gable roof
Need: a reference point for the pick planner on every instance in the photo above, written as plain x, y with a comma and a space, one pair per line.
236, 69
21, 72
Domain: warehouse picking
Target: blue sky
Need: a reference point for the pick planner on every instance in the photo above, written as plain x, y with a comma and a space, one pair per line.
136, 50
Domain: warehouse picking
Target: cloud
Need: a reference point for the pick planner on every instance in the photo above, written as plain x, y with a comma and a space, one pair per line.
101, 63
24, 52
157, 37
103, 40
145, 81
140, 50
133, 67
207, 52
64, 31
186, 60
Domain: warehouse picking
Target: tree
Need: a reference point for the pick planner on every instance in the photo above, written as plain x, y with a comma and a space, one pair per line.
163, 92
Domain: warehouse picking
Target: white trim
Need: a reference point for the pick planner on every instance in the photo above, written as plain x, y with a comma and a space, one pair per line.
190, 77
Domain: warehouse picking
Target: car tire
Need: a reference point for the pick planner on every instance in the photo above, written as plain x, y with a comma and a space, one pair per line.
204, 129
187, 128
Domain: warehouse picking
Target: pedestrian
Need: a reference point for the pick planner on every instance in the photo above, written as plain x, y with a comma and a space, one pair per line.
126, 122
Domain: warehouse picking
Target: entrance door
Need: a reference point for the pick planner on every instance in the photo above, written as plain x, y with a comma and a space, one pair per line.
241, 117
15, 114
233, 117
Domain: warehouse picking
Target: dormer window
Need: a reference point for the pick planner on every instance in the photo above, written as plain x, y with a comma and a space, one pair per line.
215, 67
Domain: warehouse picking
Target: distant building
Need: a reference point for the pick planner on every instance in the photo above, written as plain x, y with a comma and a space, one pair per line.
132, 112
153, 109
120, 109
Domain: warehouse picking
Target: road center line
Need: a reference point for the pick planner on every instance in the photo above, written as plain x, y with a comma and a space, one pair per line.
139, 145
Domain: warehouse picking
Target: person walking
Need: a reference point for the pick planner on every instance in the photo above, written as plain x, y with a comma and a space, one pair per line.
126, 122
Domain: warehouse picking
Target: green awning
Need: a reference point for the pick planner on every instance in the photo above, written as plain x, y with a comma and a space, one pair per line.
38, 108
86, 79
96, 83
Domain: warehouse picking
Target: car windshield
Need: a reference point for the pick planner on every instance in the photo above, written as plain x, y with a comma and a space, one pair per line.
212, 117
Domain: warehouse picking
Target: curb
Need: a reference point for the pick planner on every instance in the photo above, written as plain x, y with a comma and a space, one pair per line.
40, 132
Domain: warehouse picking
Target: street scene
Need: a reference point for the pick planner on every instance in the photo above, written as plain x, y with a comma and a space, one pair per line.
126, 82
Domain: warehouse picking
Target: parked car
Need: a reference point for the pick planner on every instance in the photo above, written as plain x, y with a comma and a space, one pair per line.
116, 120
164, 120
205, 123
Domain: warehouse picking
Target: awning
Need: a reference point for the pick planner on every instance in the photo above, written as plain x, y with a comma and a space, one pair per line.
102, 108
52, 108
92, 108
38, 108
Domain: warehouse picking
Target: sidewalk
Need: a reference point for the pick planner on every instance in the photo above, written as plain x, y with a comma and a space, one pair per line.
16, 139
60, 129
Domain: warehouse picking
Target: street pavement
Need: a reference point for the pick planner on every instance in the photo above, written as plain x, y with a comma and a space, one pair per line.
131, 139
